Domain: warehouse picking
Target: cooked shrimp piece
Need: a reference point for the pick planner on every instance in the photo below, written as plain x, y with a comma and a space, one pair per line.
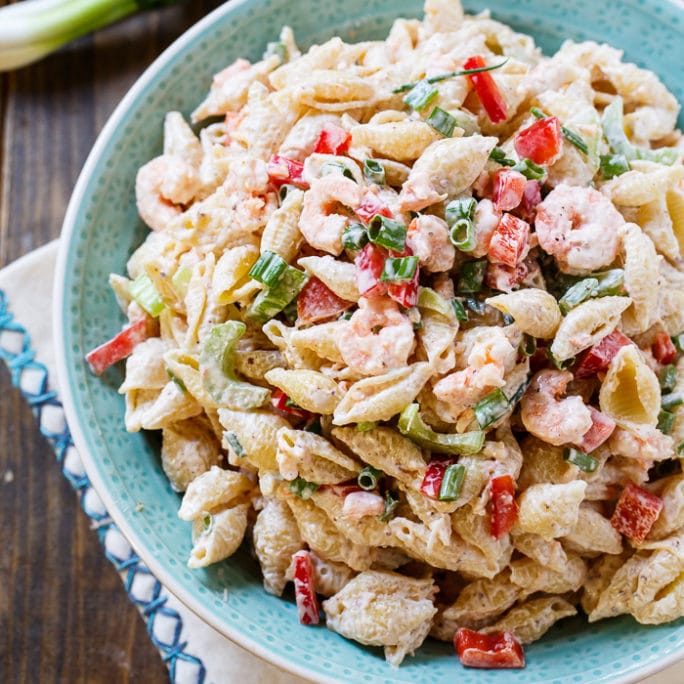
418, 192
377, 338
321, 223
161, 187
579, 227
551, 419
642, 442
490, 357
428, 237
486, 220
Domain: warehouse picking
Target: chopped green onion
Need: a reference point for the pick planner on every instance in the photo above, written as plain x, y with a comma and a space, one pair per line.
569, 135
491, 408
529, 169
462, 208
578, 293
346, 315
537, 113
498, 155
452, 482
459, 215
207, 523
450, 74
665, 421
398, 269
472, 275
290, 311
459, 310
144, 292
583, 461
176, 380
612, 165
268, 268
355, 237
477, 306
277, 49
366, 425
528, 345
442, 122
387, 233
560, 365
180, 280
368, 478
271, 302
303, 488
519, 393
670, 401
611, 282
412, 425
420, 95
331, 167
234, 443
668, 378
678, 341
429, 299
680, 450
374, 171
391, 502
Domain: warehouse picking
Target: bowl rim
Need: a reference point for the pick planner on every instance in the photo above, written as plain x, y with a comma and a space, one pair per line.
64, 370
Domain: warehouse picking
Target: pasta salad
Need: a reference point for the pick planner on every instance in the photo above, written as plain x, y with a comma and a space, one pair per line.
410, 321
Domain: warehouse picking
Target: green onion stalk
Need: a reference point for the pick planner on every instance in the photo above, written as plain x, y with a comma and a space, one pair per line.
31, 29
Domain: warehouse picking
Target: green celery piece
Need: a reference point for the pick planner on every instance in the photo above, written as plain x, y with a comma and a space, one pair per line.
218, 372
429, 299
412, 425
144, 292
268, 303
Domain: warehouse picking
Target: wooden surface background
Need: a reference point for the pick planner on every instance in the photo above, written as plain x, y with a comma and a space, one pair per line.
64, 616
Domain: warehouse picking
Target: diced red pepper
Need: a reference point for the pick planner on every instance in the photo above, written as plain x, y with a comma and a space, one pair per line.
432, 480
333, 140
509, 242
305, 591
601, 429
344, 489
663, 349
508, 189
118, 348
532, 197
598, 358
497, 650
317, 302
504, 506
369, 263
281, 402
505, 278
635, 513
282, 170
484, 85
371, 206
541, 142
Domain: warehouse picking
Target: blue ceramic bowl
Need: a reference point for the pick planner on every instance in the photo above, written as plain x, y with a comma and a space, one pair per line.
101, 230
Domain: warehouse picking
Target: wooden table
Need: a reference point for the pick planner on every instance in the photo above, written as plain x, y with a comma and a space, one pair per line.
64, 616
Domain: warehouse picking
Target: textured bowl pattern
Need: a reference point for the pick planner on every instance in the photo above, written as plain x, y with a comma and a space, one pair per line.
102, 229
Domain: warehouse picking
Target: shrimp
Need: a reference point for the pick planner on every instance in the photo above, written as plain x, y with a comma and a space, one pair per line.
486, 220
643, 442
491, 356
161, 186
378, 337
428, 237
320, 224
553, 420
580, 228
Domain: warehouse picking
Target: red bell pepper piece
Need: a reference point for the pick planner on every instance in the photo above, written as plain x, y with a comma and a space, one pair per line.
317, 302
601, 429
118, 348
532, 197
282, 170
509, 241
504, 507
369, 263
598, 358
333, 140
405, 292
663, 349
371, 206
541, 142
487, 90
505, 278
279, 401
432, 480
635, 513
305, 591
344, 489
497, 650
508, 189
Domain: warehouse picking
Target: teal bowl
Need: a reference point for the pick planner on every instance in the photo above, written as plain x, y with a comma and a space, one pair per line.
101, 230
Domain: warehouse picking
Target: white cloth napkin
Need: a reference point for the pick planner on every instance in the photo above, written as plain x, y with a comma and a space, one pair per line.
194, 652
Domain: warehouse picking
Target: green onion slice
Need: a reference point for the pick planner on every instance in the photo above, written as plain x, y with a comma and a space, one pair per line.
412, 425
577, 294
459, 215
391, 502
528, 345
471, 276
366, 425
670, 401
268, 268
429, 299
452, 482
303, 488
569, 135
459, 310
450, 74
271, 302
368, 478
560, 365
499, 156
611, 282
613, 165
355, 237
333, 167
680, 450
583, 461
144, 292
399, 269
207, 523
420, 95
529, 169
176, 380
387, 233
678, 341
442, 122
234, 443
492, 407
668, 378
665, 421
374, 171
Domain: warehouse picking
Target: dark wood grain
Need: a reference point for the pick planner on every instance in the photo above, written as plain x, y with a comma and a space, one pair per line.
64, 616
